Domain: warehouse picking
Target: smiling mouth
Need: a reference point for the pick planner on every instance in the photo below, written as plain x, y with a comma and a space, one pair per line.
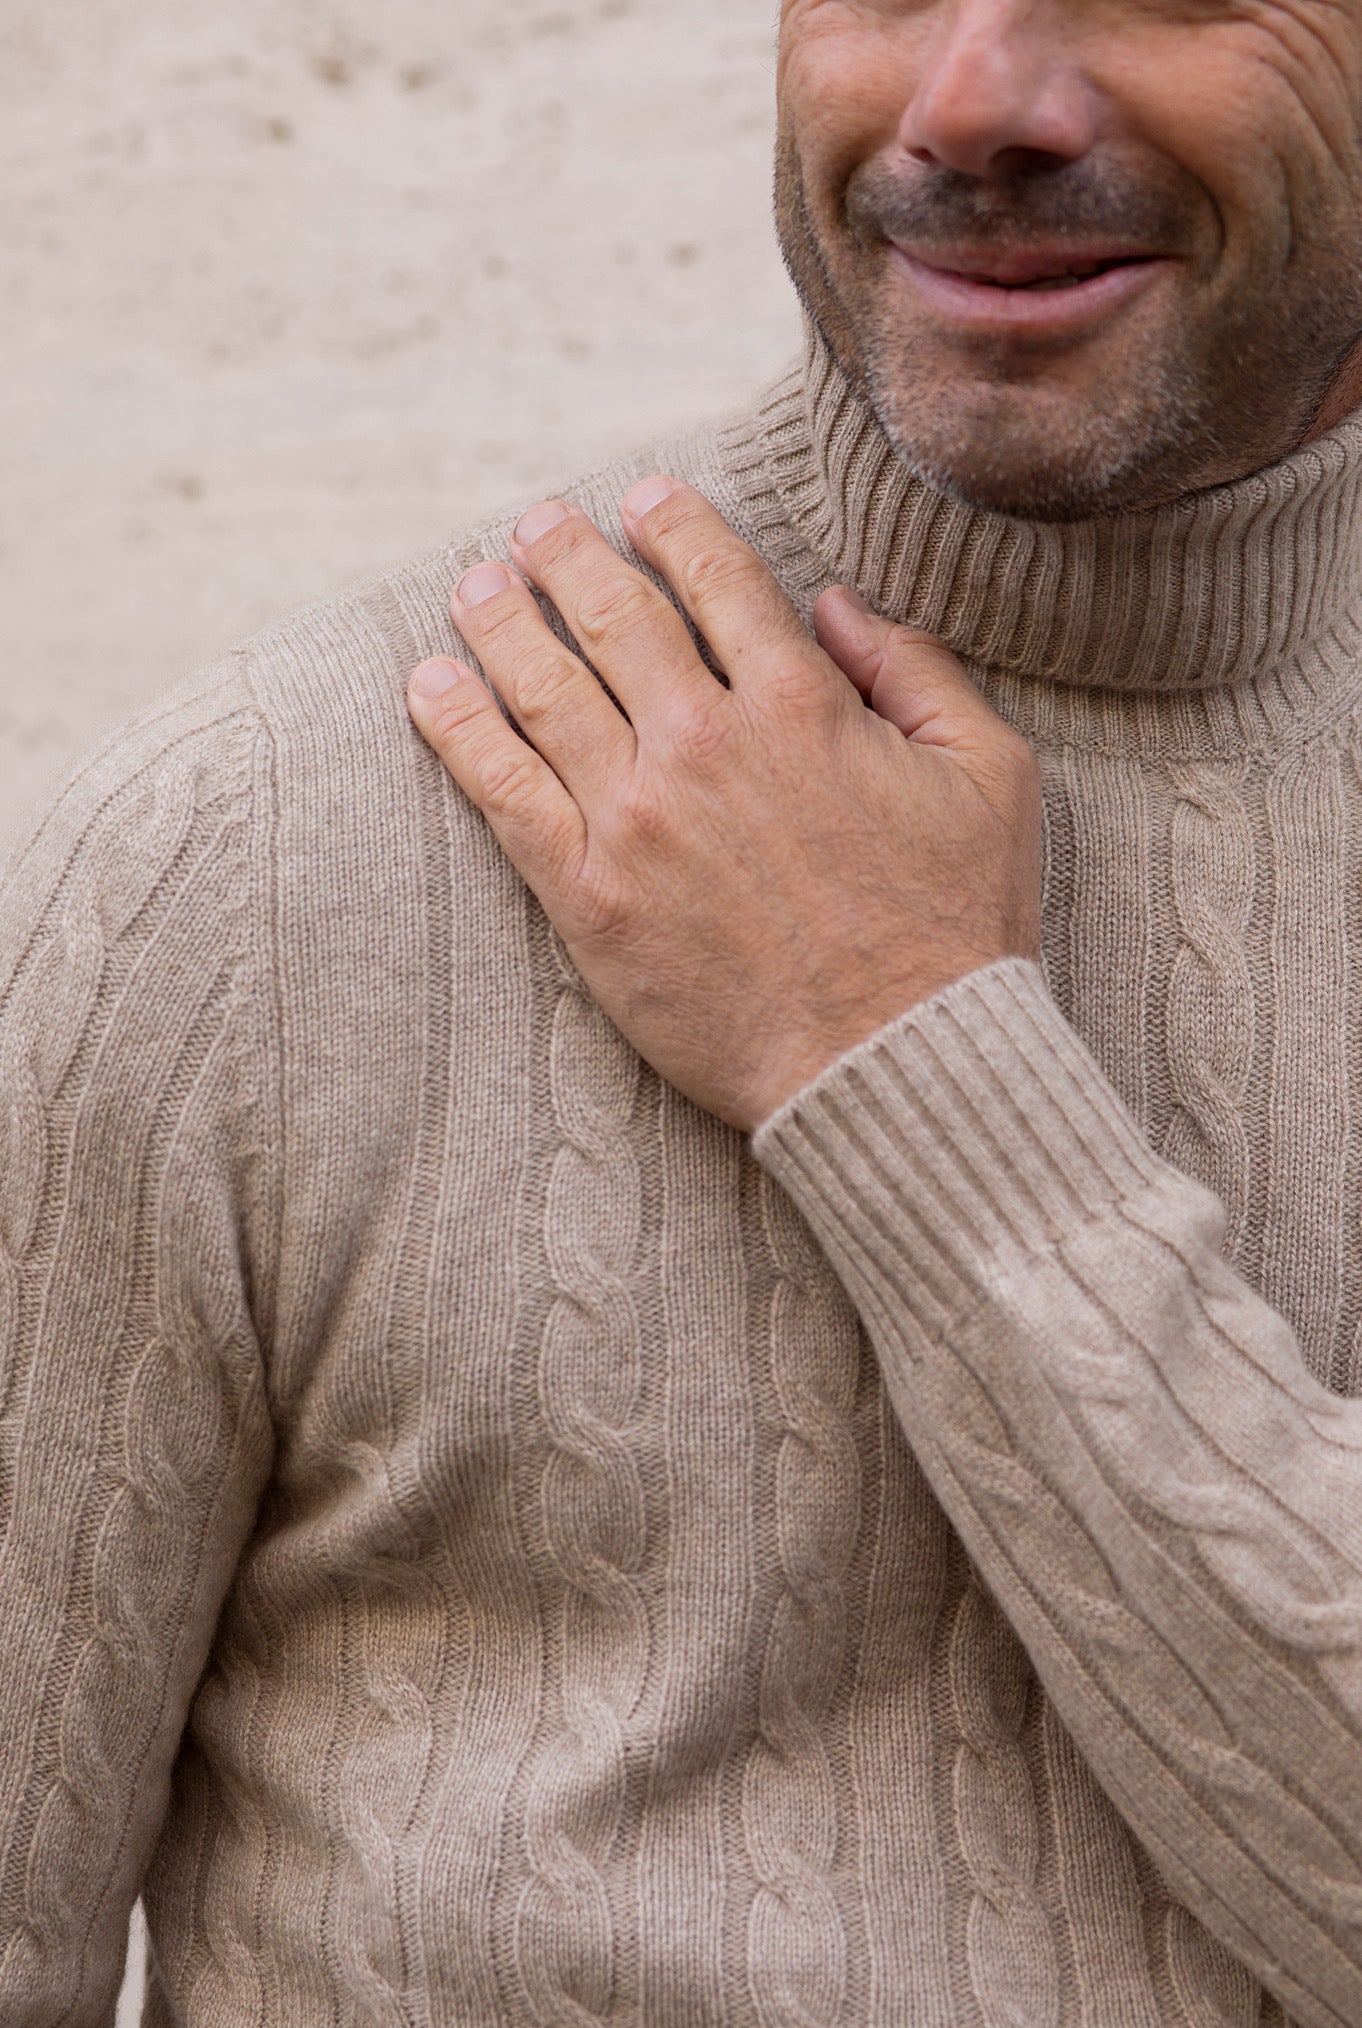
1068, 278
995, 293
1031, 273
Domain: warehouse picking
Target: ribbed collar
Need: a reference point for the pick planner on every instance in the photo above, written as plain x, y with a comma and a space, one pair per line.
1226, 621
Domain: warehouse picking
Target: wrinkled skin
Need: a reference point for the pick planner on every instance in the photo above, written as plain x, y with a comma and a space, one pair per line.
754, 879
1221, 134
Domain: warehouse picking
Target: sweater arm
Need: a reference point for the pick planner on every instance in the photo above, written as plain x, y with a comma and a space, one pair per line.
1164, 1501
134, 1438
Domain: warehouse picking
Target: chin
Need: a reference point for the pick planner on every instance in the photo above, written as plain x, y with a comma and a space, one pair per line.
1037, 453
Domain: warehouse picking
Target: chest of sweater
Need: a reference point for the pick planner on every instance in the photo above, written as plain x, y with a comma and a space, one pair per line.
606, 1651
598, 1585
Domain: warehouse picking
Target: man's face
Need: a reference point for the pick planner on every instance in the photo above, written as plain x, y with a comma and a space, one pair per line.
947, 167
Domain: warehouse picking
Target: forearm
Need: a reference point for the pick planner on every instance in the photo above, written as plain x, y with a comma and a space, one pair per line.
1160, 1495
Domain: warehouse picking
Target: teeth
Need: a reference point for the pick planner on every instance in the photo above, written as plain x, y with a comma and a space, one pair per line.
1065, 281
1069, 280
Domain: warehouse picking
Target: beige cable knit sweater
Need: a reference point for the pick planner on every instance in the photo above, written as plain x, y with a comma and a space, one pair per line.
475, 1532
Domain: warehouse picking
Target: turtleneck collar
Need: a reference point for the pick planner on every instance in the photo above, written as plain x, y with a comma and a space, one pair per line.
1226, 620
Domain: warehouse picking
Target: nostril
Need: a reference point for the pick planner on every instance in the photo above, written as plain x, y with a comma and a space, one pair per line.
1019, 162
1005, 165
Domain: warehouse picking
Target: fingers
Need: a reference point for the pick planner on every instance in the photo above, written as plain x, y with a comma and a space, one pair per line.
626, 628
720, 580
536, 821
551, 695
911, 679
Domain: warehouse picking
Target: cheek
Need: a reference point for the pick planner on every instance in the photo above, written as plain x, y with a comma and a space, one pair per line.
1263, 114
843, 84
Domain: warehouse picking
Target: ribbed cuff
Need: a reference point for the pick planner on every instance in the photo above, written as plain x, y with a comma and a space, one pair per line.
974, 1129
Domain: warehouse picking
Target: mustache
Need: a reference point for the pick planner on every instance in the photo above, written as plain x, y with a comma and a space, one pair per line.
1085, 200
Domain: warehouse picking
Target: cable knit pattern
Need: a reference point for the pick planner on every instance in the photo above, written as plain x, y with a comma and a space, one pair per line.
389, 1766
1348, 1369
455, 1546
796, 1940
1038, 1256
49, 1016
1306, 1244
1210, 993
47, 1013
74, 1002
1008, 1944
595, 1518
1211, 1990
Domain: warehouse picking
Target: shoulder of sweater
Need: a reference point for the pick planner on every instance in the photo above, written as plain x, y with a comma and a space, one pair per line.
341, 664
314, 703
328, 680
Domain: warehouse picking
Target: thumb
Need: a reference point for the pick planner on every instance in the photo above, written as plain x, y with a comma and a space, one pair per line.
909, 678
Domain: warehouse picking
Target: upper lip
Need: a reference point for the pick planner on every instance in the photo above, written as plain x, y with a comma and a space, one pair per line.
1014, 266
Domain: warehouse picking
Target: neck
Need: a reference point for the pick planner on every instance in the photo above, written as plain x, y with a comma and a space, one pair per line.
1246, 598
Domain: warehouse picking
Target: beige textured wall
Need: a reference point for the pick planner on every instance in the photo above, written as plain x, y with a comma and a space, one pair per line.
293, 286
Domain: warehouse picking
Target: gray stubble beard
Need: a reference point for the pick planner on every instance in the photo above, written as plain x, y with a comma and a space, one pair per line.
1200, 414
977, 448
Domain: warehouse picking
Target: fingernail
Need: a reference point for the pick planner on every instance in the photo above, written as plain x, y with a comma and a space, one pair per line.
432, 679
649, 493
484, 581
854, 599
538, 521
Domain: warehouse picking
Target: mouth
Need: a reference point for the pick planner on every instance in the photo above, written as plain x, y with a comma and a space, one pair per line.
1067, 278
1028, 290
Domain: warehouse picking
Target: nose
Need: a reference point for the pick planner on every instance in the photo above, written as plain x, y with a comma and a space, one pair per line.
1000, 91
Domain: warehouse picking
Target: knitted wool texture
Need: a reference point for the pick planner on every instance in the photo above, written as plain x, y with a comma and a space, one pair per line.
486, 1545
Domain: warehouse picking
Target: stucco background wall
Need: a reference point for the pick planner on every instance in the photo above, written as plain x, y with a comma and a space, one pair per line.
293, 286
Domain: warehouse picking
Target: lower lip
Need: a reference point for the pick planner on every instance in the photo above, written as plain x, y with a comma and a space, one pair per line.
984, 309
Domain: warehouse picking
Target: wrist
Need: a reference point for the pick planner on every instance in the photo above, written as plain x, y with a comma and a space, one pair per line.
803, 1059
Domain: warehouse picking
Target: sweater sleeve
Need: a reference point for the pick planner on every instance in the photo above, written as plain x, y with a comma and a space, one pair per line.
134, 1438
1164, 1501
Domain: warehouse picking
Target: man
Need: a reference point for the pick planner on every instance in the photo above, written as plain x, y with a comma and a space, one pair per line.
470, 1542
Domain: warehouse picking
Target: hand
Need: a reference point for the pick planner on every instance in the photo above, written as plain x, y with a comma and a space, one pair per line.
751, 880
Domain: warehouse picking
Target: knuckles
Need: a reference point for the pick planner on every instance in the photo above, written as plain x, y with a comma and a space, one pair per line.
644, 812
715, 574
801, 683
612, 609
506, 781
701, 732
542, 687
602, 907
